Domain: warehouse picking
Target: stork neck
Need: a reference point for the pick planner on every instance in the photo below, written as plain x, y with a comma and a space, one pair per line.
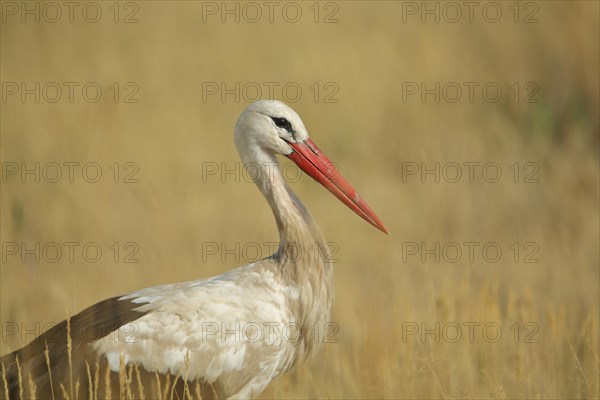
294, 222
303, 258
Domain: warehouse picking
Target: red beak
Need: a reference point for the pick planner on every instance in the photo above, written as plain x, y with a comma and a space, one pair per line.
312, 161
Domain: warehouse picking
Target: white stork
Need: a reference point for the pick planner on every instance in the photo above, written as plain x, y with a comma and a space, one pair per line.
223, 337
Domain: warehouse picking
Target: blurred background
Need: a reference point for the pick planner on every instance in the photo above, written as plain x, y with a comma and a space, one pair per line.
140, 99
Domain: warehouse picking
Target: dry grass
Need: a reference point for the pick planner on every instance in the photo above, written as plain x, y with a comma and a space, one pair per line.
370, 133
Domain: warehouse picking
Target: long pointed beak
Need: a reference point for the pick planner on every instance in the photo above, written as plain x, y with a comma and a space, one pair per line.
312, 161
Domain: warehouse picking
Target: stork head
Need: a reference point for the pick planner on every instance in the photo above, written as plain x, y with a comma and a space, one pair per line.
269, 127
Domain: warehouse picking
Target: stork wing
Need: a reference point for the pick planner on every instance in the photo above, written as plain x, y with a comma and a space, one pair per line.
225, 332
225, 335
50, 359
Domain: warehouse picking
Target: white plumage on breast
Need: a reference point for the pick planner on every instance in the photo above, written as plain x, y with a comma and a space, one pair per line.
236, 319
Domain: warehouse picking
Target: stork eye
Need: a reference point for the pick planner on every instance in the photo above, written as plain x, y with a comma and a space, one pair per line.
283, 123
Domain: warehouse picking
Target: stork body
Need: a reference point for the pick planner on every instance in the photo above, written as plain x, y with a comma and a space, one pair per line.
223, 337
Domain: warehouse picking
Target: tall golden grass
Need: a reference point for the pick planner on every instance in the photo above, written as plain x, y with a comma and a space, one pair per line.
371, 133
